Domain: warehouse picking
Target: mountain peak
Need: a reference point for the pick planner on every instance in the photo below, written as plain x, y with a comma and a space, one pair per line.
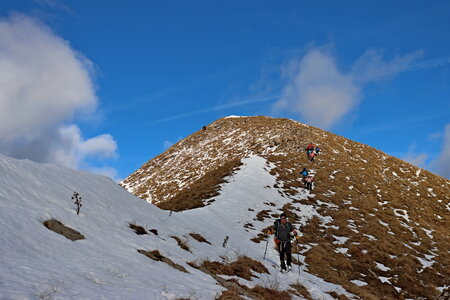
369, 216
193, 167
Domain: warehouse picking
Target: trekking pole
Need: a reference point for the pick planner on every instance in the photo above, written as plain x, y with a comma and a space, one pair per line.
298, 258
265, 251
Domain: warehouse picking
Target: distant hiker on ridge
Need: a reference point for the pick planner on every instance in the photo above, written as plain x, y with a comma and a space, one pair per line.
317, 150
311, 156
310, 151
284, 231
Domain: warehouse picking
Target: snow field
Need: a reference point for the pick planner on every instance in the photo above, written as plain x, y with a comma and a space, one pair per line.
37, 262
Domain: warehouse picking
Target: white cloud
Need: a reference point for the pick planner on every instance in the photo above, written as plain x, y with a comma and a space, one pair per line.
44, 83
106, 171
323, 94
371, 66
442, 164
318, 90
102, 146
417, 159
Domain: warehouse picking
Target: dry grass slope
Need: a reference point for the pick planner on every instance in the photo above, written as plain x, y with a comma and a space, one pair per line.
391, 213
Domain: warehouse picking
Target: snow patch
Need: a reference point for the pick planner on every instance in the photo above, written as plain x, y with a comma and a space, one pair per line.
358, 282
382, 267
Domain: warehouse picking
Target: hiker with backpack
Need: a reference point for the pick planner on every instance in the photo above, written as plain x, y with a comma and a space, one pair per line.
311, 156
317, 150
304, 173
309, 182
284, 232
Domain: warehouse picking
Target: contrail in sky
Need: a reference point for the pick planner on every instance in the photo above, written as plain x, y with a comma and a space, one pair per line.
430, 64
425, 65
215, 108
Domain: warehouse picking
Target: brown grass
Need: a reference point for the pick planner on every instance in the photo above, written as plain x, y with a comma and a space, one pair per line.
264, 235
338, 296
266, 293
301, 291
206, 187
137, 229
182, 243
156, 256
199, 238
230, 294
264, 214
241, 267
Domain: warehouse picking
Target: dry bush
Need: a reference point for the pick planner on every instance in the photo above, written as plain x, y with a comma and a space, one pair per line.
182, 243
138, 229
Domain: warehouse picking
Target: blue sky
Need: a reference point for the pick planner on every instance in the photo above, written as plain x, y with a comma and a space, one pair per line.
107, 85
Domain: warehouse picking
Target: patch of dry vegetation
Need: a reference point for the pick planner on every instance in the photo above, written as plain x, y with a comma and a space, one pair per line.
199, 238
301, 291
182, 243
196, 194
156, 256
139, 230
242, 267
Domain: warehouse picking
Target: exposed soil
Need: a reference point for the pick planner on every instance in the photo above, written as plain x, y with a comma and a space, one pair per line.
60, 228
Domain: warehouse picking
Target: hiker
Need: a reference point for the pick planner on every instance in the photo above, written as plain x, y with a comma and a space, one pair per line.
309, 182
317, 150
311, 156
284, 231
310, 147
304, 173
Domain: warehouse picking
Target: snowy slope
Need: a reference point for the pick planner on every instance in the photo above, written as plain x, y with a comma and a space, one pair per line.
37, 263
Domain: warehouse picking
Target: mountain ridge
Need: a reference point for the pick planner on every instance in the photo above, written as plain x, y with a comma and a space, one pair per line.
391, 213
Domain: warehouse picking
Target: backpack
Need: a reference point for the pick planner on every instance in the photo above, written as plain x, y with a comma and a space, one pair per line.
276, 224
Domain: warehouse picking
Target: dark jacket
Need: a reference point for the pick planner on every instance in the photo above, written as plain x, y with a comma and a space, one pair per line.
283, 231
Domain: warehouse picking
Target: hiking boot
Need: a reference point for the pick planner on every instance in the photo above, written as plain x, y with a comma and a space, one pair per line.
283, 267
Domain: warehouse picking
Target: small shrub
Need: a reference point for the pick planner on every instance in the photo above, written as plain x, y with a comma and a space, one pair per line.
138, 229
77, 199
